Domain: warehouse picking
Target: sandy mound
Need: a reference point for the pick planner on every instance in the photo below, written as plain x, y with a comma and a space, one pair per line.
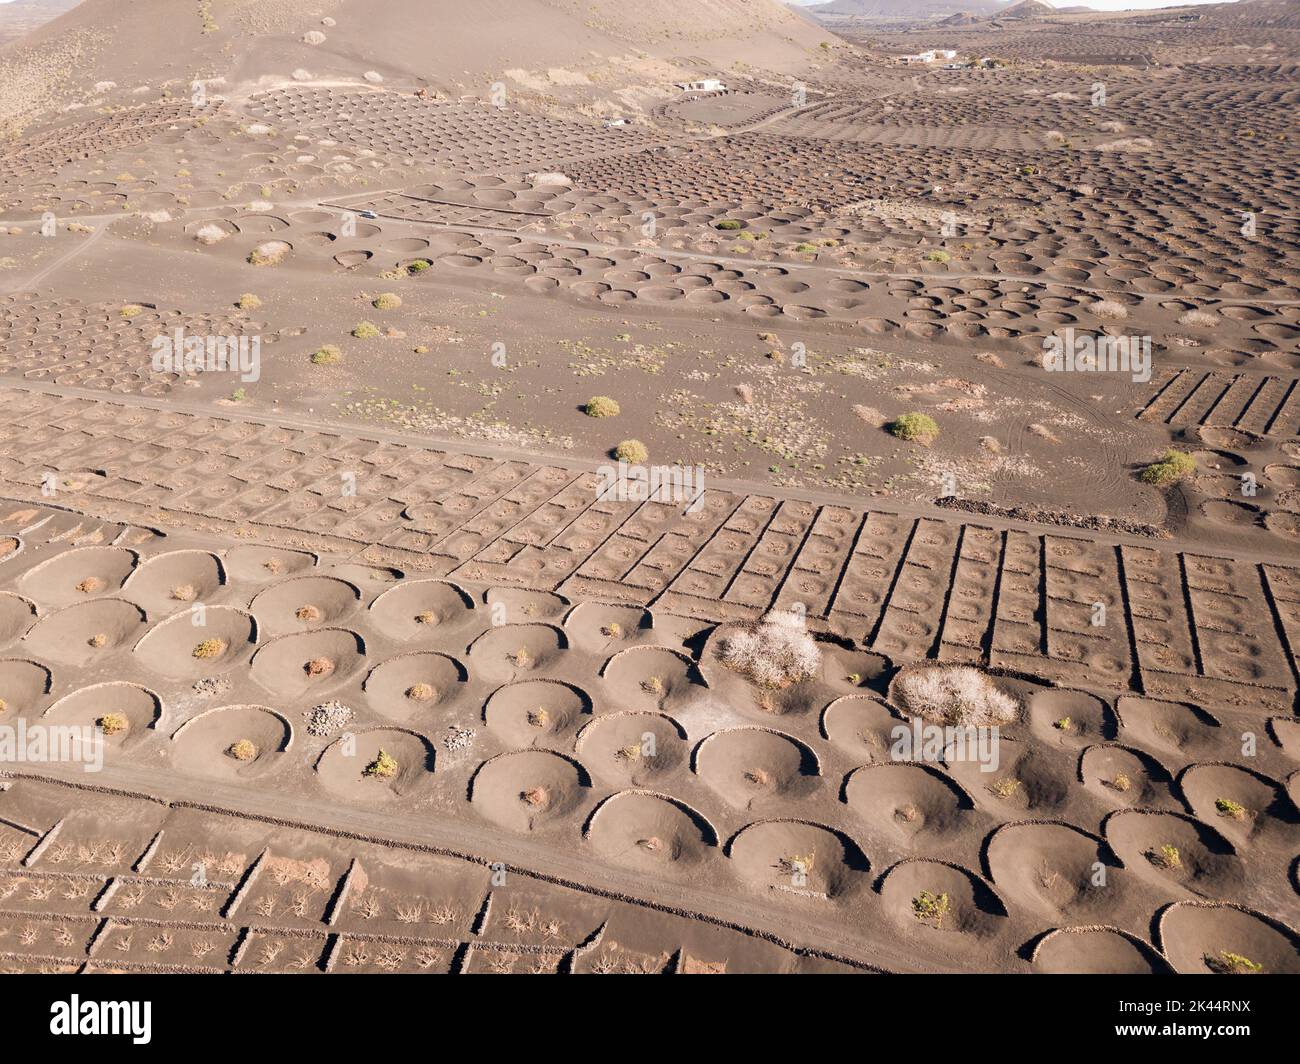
183, 650
1050, 868
1241, 805
649, 831
754, 768
77, 575
16, 616
1174, 850
528, 790
598, 628
419, 608
140, 708
1069, 718
87, 632
1122, 775
354, 766
231, 742
536, 712
1171, 727
1095, 951
22, 686
632, 748
174, 581
516, 651
1027, 778
258, 565
649, 677
1201, 937
799, 858
861, 726
303, 604
908, 803
309, 663
934, 899
521, 607
412, 685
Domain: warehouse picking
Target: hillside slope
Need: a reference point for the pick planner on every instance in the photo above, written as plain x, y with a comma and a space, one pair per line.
605, 46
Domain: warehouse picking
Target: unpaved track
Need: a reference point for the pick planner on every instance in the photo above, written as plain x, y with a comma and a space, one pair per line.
809, 931
904, 507
80, 247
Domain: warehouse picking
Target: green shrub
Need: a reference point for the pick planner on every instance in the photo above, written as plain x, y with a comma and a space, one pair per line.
1225, 963
921, 428
383, 767
1167, 856
113, 723
634, 452
1169, 468
730, 224
326, 356
387, 301
931, 908
601, 406
1227, 807
367, 330
242, 750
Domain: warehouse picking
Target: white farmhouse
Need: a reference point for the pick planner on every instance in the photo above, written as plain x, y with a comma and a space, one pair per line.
702, 85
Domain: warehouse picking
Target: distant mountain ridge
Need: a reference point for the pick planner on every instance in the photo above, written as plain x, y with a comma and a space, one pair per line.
913, 9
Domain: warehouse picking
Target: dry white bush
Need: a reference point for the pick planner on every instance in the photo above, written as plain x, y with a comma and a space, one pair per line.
1199, 319
374, 77
270, 253
210, 234
1109, 308
313, 37
301, 75
1126, 144
954, 695
773, 653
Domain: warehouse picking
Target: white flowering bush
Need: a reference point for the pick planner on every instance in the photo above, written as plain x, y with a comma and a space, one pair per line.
211, 234
776, 652
955, 695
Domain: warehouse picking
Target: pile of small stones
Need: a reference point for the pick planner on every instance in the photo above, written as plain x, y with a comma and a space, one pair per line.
458, 738
328, 718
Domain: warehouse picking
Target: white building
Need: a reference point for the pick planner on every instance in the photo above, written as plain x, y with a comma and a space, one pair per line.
930, 56
702, 85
